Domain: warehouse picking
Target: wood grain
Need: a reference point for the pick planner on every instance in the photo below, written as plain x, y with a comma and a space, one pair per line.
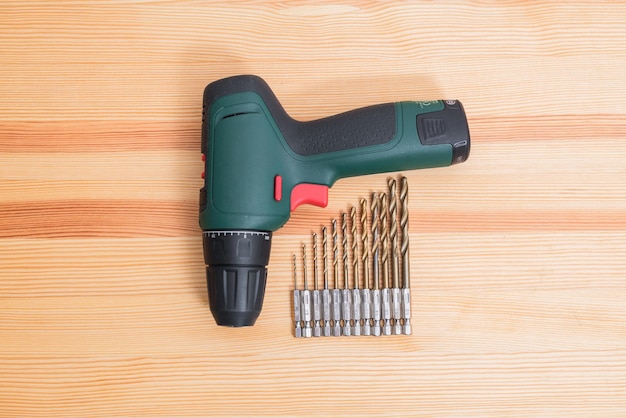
518, 256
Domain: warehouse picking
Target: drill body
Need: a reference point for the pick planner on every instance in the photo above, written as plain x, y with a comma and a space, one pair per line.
260, 165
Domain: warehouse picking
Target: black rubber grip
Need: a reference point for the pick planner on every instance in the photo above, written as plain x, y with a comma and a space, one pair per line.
368, 126
372, 125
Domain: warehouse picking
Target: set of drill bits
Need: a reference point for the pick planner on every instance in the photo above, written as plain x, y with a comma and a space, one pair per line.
370, 292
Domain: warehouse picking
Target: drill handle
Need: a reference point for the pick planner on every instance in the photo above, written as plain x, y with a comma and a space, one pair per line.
261, 164
380, 138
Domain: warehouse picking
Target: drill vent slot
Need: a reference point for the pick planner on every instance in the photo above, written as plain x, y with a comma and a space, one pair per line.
237, 114
239, 110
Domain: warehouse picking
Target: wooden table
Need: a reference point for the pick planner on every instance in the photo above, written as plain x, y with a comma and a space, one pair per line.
518, 256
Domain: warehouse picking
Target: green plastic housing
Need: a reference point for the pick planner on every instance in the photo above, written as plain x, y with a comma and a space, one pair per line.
245, 151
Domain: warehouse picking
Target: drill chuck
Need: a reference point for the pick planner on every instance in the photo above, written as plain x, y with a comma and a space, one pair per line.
236, 273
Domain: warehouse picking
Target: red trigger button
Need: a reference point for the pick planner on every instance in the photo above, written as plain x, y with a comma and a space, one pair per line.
313, 194
278, 188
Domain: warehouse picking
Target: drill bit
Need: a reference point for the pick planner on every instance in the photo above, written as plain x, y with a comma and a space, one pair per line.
325, 291
375, 251
296, 302
365, 260
404, 250
306, 298
336, 294
317, 330
356, 260
393, 231
395, 264
355, 247
385, 296
346, 295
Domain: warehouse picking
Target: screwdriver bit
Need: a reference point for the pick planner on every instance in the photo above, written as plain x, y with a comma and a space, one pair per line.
306, 299
325, 291
296, 302
317, 315
385, 294
404, 250
336, 294
366, 312
356, 260
395, 263
375, 251
346, 295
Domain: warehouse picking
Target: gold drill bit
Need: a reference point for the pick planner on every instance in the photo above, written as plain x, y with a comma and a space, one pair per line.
375, 293
375, 240
325, 255
366, 294
336, 293
335, 255
346, 299
355, 247
385, 293
317, 311
314, 236
306, 286
365, 256
395, 264
384, 223
393, 232
306, 299
344, 248
356, 260
326, 314
404, 226
295, 280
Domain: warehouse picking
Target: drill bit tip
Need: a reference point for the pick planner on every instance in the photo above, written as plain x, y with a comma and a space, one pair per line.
325, 256
295, 280
404, 231
304, 266
354, 237
315, 275
393, 232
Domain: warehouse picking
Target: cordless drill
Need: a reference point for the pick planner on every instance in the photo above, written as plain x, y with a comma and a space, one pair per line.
260, 165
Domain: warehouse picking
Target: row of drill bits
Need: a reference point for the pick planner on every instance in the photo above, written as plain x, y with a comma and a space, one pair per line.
370, 271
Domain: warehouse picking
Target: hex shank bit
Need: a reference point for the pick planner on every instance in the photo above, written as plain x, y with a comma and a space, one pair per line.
395, 263
366, 310
306, 299
396, 310
325, 291
317, 315
336, 293
375, 251
385, 293
346, 295
356, 260
296, 302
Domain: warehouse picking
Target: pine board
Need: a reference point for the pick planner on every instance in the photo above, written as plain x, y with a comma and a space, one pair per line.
518, 256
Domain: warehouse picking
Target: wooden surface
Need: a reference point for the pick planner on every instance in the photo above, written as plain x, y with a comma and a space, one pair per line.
518, 256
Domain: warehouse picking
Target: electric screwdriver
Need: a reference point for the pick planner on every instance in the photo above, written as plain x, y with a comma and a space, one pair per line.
260, 165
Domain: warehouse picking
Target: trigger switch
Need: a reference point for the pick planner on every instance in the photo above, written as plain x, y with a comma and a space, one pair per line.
313, 194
